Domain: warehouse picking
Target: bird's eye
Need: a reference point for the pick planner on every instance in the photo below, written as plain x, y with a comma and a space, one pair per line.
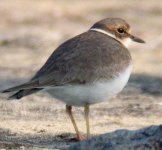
120, 30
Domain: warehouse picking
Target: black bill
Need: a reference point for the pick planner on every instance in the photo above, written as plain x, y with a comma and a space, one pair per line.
136, 39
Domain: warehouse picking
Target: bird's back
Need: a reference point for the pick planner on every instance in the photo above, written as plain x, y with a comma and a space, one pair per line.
88, 53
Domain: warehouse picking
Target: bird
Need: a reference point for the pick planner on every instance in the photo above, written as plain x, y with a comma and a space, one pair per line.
89, 68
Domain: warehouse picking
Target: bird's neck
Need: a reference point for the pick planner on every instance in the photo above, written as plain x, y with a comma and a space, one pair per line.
125, 41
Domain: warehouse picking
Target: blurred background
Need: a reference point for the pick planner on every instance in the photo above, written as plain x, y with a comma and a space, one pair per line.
31, 30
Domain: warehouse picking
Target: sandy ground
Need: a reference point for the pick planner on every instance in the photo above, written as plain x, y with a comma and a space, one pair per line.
31, 30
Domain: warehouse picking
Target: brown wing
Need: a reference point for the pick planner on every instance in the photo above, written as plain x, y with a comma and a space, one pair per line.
83, 59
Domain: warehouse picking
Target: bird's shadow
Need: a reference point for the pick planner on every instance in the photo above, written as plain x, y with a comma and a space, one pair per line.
13, 141
10, 140
146, 84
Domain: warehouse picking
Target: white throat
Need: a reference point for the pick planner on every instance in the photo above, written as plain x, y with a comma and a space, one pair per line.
125, 42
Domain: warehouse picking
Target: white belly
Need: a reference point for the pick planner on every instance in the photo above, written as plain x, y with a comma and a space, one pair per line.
79, 95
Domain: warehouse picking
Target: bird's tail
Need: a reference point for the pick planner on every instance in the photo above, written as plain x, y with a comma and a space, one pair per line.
22, 93
27, 85
23, 90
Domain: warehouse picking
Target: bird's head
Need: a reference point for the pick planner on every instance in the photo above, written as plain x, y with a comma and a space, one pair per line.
118, 29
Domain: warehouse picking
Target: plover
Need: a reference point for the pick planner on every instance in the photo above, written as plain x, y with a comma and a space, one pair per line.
89, 68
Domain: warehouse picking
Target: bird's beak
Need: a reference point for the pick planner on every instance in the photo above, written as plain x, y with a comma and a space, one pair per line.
136, 39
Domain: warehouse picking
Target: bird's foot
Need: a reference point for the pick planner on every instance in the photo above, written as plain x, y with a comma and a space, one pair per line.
80, 137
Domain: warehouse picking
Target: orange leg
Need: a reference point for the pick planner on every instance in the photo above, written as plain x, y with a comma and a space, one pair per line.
69, 111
